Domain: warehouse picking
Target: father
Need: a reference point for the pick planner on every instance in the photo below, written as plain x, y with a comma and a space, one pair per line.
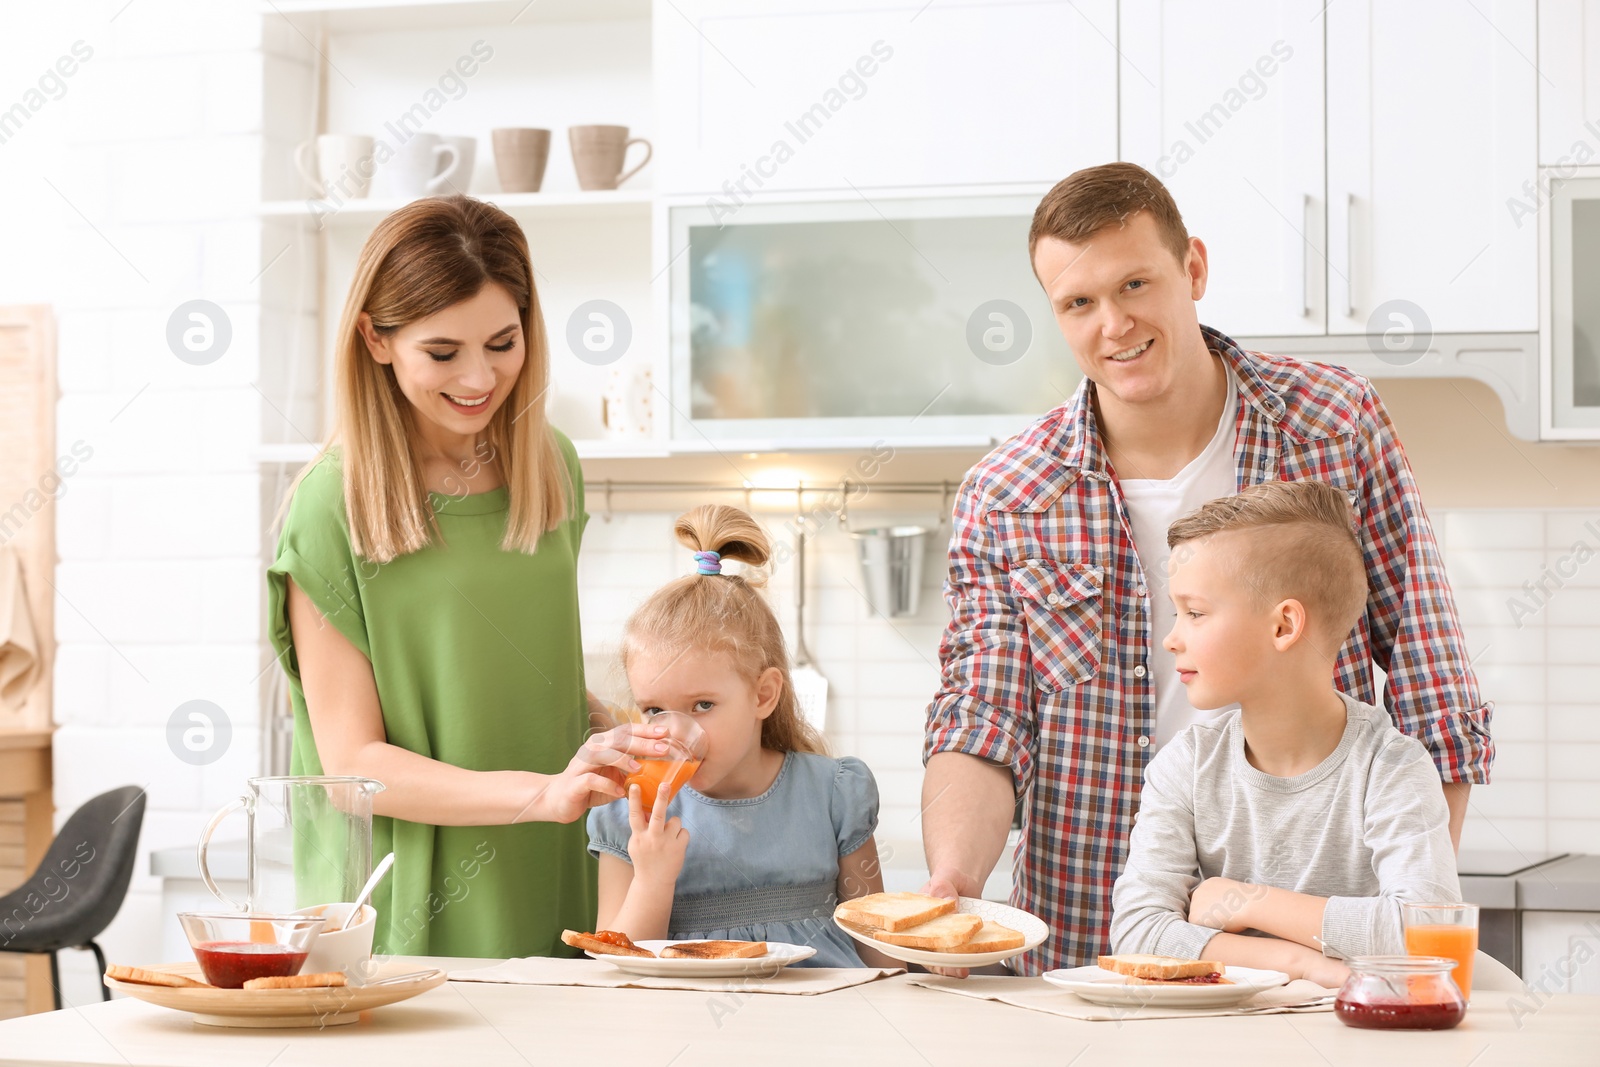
1055, 685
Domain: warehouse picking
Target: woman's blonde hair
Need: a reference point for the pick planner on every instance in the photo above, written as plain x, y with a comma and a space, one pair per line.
725, 613
422, 258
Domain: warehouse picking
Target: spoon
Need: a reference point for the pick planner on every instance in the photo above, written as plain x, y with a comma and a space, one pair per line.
366, 891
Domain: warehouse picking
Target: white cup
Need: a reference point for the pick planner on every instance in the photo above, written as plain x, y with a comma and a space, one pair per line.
467, 155
342, 165
340, 950
423, 166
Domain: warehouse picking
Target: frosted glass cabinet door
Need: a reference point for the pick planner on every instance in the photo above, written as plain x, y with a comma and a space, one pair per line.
1431, 131
761, 95
1223, 102
1574, 272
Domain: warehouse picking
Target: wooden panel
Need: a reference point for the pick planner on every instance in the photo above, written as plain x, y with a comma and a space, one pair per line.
30, 481
13, 869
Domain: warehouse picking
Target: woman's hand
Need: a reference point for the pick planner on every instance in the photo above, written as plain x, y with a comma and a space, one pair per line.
595, 774
658, 844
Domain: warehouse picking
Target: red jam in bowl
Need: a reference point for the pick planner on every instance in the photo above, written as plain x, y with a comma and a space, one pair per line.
230, 964
1400, 1015
1400, 993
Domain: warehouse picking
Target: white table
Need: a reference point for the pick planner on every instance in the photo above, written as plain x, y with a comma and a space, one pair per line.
886, 1022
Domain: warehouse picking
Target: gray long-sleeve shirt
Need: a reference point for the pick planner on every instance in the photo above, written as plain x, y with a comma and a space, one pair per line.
1367, 828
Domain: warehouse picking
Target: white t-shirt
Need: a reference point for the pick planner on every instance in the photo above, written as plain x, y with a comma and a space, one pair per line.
1153, 505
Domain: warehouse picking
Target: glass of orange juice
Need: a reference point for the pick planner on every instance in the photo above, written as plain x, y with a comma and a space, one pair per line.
686, 750
1444, 929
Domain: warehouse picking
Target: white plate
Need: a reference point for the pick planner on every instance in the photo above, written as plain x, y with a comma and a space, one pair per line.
1029, 926
1099, 986
779, 955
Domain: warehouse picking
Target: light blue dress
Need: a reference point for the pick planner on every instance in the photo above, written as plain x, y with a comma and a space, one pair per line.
765, 868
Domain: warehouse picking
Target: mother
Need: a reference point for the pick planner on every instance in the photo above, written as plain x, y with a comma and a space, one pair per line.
424, 597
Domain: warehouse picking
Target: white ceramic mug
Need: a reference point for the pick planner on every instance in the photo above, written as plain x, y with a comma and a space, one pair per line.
422, 166
467, 155
336, 164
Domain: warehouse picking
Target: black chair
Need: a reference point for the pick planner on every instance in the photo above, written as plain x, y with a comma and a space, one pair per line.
80, 884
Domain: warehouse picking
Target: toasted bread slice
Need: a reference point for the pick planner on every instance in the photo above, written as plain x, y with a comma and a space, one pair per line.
1160, 968
297, 981
144, 977
605, 943
893, 911
943, 934
993, 937
715, 950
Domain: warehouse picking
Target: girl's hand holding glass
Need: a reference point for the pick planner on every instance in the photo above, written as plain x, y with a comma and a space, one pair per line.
658, 844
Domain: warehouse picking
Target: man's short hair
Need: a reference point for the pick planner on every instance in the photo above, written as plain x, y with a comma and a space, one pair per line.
1300, 542
1090, 200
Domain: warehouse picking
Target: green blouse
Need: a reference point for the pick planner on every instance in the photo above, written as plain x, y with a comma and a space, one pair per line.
478, 662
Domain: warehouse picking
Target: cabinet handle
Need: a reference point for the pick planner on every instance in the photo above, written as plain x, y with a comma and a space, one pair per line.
1305, 256
1350, 256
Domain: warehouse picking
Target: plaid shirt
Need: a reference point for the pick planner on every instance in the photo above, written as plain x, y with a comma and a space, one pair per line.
1044, 660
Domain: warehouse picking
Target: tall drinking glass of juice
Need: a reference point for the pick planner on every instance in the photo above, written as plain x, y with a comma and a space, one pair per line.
1444, 930
686, 750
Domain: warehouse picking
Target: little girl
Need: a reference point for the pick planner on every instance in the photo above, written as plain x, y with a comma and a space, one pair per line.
770, 833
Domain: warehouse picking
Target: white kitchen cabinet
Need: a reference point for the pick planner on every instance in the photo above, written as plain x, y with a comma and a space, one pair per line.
1569, 90
756, 95
1223, 102
1561, 951
1431, 129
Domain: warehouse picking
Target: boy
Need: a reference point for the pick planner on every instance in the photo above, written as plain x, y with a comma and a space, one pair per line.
1304, 817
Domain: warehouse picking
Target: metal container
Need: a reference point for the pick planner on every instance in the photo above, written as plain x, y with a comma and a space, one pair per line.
891, 567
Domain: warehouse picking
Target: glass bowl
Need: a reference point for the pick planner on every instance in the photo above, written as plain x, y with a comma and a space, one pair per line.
234, 947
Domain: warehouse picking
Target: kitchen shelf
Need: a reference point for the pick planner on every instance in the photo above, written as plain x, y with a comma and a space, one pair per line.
609, 203
347, 16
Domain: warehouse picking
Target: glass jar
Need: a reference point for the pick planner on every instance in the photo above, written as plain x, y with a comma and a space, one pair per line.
1400, 993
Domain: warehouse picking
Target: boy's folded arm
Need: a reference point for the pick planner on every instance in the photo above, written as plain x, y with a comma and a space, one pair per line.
1224, 904
1406, 826
1275, 954
1150, 901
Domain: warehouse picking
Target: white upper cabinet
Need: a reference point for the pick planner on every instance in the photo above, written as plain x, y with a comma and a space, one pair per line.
1569, 86
757, 95
1431, 136
1223, 102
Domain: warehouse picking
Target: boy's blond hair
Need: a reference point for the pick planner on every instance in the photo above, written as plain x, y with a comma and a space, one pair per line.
1300, 543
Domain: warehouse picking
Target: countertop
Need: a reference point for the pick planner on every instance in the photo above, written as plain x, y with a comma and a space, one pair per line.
886, 1022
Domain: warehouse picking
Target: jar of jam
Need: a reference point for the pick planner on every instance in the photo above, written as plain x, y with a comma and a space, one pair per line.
1400, 993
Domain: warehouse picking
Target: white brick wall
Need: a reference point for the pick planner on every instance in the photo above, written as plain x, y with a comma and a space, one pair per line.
134, 192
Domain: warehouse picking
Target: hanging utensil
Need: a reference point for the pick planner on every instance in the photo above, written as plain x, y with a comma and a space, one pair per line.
810, 686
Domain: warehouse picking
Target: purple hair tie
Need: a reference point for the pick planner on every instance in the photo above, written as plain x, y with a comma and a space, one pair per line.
708, 562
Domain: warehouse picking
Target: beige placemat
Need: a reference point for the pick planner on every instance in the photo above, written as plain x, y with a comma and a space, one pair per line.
544, 970
1036, 994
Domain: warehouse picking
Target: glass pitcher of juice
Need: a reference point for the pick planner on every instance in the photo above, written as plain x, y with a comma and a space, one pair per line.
686, 750
1444, 929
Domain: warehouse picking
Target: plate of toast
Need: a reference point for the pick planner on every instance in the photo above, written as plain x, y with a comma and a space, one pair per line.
939, 931
1135, 980
301, 1000
688, 959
